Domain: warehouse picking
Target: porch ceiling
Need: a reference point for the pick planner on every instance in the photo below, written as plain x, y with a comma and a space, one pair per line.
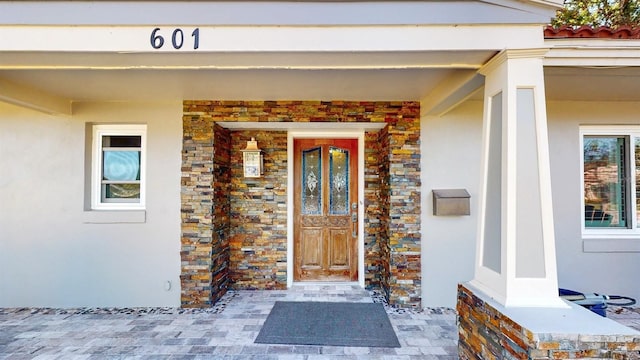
269, 84
593, 83
584, 83
83, 77
415, 76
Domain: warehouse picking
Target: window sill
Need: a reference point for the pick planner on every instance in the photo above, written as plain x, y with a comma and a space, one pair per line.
611, 245
114, 217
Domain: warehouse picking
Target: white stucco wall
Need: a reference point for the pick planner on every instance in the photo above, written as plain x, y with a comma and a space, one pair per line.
613, 273
450, 150
451, 159
48, 255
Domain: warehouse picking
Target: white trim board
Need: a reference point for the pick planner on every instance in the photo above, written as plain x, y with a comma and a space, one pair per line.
230, 13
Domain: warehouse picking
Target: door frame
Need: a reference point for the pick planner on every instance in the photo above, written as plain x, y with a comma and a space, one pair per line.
332, 134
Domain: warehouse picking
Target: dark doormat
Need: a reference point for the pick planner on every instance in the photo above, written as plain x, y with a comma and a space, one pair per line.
328, 323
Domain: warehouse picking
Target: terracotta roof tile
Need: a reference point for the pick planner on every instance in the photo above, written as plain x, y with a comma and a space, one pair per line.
603, 32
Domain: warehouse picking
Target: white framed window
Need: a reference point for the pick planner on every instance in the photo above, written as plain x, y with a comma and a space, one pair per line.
610, 168
118, 167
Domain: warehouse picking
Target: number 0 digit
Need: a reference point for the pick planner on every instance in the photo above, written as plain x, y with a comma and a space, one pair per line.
177, 39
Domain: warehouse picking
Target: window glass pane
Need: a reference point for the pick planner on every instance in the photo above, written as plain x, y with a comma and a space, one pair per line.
637, 156
117, 166
605, 190
121, 165
339, 181
121, 191
121, 141
311, 182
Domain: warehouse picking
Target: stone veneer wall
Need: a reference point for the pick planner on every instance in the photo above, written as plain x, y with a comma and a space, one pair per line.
222, 161
394, 253
385, 201
486, 333
404, 210
204, 211
259, 214
377, 210
373, 212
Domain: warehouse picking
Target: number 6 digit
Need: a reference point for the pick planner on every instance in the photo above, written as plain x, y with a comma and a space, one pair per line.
156, 40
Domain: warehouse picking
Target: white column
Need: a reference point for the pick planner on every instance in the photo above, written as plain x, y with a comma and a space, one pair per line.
515, 257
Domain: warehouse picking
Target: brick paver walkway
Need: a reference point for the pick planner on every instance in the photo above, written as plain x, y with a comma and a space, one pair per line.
226, 331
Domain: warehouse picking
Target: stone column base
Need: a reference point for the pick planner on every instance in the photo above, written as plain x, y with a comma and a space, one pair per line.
488, 330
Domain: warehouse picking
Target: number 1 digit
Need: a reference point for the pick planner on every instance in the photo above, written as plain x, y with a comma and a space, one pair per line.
196, 38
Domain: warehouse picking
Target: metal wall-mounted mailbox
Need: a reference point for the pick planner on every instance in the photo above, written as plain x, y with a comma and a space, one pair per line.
451, 202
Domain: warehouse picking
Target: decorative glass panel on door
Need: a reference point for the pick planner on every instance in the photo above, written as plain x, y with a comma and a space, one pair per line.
312, 181
339, 181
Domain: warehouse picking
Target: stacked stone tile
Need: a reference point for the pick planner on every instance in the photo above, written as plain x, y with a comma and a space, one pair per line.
376, 236
257, 247
221, 211
377, 193
404, 204
486, 333
259, 214
385, 203
202, 253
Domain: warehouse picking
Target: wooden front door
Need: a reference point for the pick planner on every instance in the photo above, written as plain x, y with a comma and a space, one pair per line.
325, 209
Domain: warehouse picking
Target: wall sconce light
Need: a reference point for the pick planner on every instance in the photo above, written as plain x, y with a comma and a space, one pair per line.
252, 159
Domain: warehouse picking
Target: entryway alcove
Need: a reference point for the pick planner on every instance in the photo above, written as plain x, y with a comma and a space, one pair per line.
234, 229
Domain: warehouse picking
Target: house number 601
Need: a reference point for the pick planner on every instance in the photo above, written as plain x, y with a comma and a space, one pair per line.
177, 39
